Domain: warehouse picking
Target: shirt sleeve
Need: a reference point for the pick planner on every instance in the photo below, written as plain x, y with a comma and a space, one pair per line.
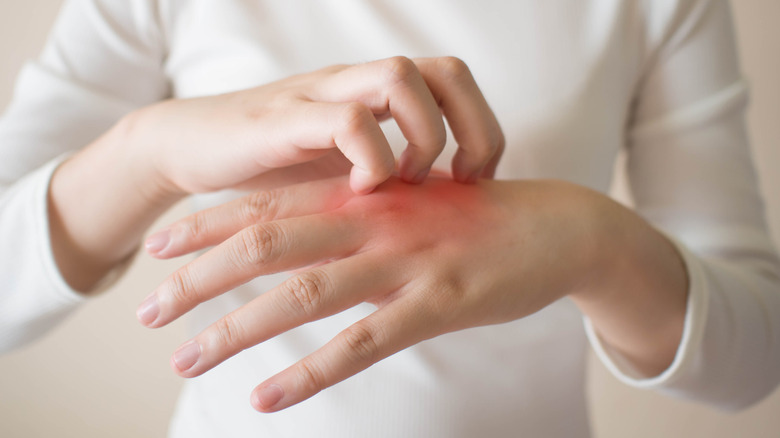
692, 176
103, 59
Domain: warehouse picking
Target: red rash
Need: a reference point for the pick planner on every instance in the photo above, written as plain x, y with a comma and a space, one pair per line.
439, 212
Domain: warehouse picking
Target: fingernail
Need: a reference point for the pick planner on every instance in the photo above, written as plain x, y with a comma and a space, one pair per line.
158, 241
186, 356
269, 396
148, 310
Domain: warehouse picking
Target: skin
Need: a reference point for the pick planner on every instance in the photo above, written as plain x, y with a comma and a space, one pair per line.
433, 258
623, 274
308, 126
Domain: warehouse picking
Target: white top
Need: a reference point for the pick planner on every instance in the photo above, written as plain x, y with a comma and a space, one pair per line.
572, 84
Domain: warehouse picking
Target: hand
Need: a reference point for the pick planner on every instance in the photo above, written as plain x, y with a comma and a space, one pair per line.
240, 139
305, 127
433, 258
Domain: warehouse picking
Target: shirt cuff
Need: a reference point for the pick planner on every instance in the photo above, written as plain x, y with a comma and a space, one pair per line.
693, 331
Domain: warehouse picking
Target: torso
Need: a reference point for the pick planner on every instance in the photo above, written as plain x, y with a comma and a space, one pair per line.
560, 77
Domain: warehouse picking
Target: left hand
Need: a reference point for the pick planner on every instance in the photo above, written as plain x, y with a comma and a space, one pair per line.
434, 258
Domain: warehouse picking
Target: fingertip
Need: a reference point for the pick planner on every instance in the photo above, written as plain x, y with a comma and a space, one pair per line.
415, 178
185, 357
362, 182
157, 243
175, 367
148, 311
420, 176
265, 398
410, 172
465, 177
463, 173
472, 179
488, 173
254, 402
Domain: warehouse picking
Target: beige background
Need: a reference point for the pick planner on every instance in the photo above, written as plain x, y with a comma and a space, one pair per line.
101, 374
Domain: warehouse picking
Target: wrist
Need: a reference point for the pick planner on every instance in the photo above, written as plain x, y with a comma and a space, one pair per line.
101, 201
636, 299
135, 139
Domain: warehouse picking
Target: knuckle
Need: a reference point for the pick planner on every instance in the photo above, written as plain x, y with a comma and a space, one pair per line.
453, 68
258, 244
355, 117
305, 291
445, 300
180, 287
309, 378
361, 342
399, 69
195, 227
230, 332
261, 206
446, 297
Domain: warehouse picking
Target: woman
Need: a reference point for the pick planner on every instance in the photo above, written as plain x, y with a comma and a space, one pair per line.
571, 84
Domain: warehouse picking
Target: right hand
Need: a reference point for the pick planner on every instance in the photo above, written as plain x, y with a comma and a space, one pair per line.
321, 123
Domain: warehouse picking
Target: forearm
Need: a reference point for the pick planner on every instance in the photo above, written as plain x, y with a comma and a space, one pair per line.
637, 300
100, 203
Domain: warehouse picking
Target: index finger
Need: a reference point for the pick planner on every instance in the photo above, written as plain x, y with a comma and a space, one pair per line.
394, 86
214, 225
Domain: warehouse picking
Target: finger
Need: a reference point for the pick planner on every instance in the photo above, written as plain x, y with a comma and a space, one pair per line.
260, 249
306, 297
212, 226
394, 86
398, 325
330, 165
490, 169
473, 124
307, 130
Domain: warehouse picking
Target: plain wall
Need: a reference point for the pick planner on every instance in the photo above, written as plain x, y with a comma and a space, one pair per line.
101, 374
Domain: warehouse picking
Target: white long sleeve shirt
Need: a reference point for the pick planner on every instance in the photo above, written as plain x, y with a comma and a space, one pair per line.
572, 83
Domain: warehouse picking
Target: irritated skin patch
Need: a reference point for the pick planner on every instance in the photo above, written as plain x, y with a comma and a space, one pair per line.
439, 209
